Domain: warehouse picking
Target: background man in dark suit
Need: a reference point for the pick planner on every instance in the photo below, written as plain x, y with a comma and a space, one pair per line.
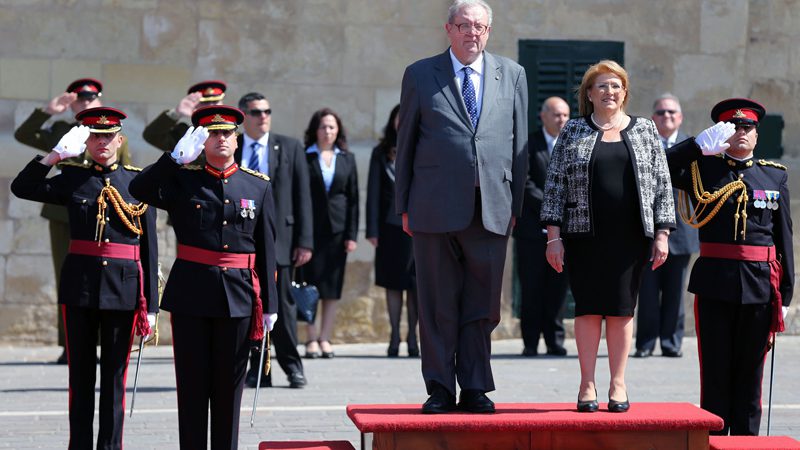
461, 168
283, 159
543, 290
661, 310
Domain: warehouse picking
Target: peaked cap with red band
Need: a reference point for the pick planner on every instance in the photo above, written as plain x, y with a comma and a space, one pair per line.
738, 111
217, 117
102, 119
211, 90
86, 87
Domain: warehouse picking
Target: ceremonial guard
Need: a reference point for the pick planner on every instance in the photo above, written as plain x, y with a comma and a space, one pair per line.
109, 278
225, 268
35, 132
744, 277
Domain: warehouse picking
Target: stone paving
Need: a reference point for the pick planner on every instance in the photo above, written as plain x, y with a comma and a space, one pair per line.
33, 392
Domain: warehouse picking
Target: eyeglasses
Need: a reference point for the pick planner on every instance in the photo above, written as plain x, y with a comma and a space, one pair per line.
259, 112
661, 112
609, 87
476, 28
746, 127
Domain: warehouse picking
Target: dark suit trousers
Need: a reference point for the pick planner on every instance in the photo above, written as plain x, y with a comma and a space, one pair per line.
284, 334
732, 341
210, 365
544, 293
661, 311
459, 281
116, 333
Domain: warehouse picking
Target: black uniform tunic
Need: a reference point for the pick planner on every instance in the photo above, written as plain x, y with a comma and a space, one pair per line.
96, 292
211, 305
733, 309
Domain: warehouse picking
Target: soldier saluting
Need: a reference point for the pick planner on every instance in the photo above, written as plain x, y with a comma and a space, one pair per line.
225, 268
744, 277
109, 277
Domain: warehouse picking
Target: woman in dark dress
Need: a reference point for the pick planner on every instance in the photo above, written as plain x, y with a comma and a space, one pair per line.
334, 198
394, 254
609, 197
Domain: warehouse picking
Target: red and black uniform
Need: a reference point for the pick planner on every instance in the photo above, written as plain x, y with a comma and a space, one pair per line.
219, 216
97, 291
736, 303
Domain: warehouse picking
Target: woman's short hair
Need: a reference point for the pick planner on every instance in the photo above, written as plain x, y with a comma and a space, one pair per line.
313, 125
605, 66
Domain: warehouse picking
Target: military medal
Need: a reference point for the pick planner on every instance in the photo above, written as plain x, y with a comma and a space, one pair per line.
251, 209
248, 208
759, 196
773, 197
243, 207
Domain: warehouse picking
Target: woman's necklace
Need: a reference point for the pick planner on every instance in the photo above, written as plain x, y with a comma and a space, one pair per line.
610, 126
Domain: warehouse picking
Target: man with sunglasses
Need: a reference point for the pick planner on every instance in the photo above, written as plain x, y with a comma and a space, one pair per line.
661, 311
283, 159
744, 277
80, 95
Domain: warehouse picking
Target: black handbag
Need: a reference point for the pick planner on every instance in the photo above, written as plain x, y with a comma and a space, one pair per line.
305, 296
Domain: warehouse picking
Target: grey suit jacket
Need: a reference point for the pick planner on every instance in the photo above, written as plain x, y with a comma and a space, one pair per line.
684, 240
438, 149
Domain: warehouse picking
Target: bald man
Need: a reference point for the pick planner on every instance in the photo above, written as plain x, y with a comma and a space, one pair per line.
543, 289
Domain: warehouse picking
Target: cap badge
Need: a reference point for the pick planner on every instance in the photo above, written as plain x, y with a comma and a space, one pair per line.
103, 120
209, 91
218, 118
739, 114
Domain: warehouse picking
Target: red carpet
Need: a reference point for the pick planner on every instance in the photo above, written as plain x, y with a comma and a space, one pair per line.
306, 445
752, 442
533, 417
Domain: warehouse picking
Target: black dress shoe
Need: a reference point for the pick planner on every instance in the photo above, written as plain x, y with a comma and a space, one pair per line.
588, 405
441, 401
529, 351
643, 353
251, 380
392, 352
671, 353
475, 401
413, 351
618, 407
326, 355
310, 354
63, 358
556, 351
297, 380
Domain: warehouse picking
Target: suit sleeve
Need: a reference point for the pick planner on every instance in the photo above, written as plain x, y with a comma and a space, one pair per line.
164, 132
351, 224
782, 236
149, 256
373, 194
154, 184
265, 253
32, 184
679, 159
31, 133
301, 196
663, 200
555, 185
407, 136
520, 166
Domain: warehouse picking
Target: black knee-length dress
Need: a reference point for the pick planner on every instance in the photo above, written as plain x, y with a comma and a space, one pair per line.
605, 269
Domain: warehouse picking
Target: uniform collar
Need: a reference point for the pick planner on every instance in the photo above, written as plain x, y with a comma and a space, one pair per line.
221, 174
736, 163
99, 168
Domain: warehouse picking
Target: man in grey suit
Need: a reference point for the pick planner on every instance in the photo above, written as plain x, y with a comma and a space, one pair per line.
461, 168
661, 311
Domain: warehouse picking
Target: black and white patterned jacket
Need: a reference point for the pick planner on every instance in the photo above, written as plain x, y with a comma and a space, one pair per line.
566, 191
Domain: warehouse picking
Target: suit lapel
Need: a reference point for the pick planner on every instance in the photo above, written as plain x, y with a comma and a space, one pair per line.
491, 82
340, 171
273, 155
237, 155
446, 79
315, 173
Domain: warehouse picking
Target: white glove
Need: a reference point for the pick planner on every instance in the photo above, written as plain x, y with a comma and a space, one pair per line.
190, 145
269, 321
73, 143
712, 140
785, 311
151, 320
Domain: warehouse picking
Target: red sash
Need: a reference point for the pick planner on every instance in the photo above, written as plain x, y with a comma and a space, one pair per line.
234, 261
119, 251
758, 254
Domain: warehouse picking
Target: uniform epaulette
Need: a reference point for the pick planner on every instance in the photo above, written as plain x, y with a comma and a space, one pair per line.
133, 168
255, 173
191, 167
764, 162
83, 165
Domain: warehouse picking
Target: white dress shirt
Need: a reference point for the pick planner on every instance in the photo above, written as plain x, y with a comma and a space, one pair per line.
263, 155
327, 171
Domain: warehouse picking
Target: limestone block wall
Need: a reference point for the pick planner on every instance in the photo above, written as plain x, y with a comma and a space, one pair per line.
348, 55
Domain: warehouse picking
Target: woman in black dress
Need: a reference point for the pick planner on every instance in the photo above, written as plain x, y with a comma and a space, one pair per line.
609, 196
394, 254
334, 198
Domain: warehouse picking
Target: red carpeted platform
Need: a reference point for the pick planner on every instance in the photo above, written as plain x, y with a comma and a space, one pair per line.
306, 445
752, 442
537, 425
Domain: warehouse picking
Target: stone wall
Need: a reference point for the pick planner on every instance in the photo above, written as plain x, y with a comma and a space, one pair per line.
348, 55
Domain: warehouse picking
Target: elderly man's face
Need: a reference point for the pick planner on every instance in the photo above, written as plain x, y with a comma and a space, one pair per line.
468, 33
555, 116
667, 116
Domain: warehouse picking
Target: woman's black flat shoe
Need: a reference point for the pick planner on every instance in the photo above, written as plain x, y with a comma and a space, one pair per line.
311, 355
588, 405
618, 407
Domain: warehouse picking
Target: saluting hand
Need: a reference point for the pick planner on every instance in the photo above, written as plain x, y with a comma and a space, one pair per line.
73, 143
190, 145
60, 104
187, 104
712, 140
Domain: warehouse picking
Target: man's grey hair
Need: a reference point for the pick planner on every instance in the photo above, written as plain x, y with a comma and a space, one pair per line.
546, 108
458, 5
666, 96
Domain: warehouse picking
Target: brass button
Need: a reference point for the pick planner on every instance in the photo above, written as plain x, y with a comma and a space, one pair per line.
224, 222
225, 181
107, 240
105, 263
83, 201
226, 201
224, 269
225, 246
197, 206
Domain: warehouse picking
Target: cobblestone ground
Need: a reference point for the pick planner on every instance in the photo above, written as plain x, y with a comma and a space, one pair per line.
33, 392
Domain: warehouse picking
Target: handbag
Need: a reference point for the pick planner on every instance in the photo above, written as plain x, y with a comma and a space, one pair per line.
305, 296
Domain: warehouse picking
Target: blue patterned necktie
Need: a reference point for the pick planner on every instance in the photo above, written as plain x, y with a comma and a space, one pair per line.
252, 164
468, 92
